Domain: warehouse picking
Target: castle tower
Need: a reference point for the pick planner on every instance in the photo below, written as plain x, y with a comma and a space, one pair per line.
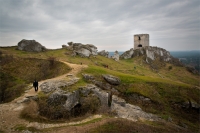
141, 40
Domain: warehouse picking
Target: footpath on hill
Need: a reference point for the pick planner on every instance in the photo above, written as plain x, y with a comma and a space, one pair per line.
10, 112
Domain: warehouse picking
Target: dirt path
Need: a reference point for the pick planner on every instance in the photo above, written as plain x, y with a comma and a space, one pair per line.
9, 112
75, 70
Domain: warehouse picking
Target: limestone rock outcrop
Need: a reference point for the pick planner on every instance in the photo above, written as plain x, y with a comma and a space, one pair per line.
51, 86
82, 50
128, 54
88, 77
151, 54
149, 51
30, 46
103, 53
129, 111
102, 95
72, 100
57, 98
64, 46
116, 56
102, 85
111, 79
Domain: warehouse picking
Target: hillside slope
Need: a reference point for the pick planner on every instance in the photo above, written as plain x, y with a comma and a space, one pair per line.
172, 90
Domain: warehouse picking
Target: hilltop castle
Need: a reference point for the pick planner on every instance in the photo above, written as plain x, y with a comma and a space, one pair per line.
141, 40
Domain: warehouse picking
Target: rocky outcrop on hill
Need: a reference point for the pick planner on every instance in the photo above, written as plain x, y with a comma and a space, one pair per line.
72, 100
64, 46
30, 46
51, 86
129, 111
151, 54
116, 56
111, 79
192, 70
104, 53
128, 54
82, 50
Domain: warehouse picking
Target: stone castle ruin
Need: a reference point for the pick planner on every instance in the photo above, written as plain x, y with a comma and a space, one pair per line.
141, 40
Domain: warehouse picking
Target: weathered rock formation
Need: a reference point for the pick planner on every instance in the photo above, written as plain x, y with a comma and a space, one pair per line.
128, 54
72, 100
151, 54
111, 79
82, 50
51, 86
129, 111
64, 46
116, 56
104, 53
30, 46
69, 101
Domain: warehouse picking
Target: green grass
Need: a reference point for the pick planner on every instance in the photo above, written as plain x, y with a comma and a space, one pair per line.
127, 78
21, 127
89, 122
176, 86
29, 69
125, 126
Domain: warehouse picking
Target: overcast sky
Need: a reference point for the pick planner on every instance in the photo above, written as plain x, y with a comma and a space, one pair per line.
107, 24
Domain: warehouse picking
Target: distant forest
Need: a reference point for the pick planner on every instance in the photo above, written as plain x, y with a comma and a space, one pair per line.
189, 58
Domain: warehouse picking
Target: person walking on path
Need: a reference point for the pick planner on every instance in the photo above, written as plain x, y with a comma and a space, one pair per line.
35, 85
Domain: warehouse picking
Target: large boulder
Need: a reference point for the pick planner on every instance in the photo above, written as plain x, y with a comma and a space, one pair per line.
111, 79
102, 85
104, 53
83, 50
30, 46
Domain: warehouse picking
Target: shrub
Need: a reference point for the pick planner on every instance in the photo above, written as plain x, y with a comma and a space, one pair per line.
9, 87
51, 111
88, 104
170, 67
52, 61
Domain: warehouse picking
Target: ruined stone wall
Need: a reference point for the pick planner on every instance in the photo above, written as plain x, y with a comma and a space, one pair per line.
141, 40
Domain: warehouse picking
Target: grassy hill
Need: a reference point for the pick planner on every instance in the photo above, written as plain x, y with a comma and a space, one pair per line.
17, 72
168, 87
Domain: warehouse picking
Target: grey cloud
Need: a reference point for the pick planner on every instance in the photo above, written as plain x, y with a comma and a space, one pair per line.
102, 22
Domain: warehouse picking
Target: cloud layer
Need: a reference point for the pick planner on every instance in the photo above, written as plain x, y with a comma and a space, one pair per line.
109, 25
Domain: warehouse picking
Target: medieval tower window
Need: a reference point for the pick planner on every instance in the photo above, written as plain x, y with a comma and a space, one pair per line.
141, 40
